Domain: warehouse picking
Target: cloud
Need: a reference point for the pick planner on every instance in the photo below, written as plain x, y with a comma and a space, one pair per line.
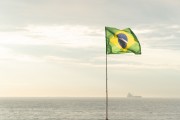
74, 36
8, 55
85, 46
151, 58
91, 12
161, 36
49, 43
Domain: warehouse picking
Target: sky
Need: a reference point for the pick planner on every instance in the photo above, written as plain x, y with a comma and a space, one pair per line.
56, 48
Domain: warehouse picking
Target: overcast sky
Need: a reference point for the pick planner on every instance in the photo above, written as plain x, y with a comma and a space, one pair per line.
56, 48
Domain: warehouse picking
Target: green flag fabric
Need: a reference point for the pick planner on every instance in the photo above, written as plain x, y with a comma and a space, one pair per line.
121, 41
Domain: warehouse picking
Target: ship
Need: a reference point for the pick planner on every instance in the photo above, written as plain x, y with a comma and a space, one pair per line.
129, 95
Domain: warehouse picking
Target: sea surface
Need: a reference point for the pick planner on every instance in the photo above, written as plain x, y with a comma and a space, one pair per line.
89, 109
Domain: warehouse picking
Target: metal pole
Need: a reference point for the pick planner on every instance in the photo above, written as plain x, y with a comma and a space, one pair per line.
106, 90
106, 82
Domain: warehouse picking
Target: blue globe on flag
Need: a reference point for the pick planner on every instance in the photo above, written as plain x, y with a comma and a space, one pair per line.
122, 39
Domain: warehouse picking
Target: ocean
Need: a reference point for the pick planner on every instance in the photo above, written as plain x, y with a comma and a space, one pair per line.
89, 109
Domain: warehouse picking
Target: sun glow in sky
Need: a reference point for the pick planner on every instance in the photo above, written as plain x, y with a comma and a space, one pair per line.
57, 48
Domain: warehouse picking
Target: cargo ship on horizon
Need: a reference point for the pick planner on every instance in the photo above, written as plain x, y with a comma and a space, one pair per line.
129, 95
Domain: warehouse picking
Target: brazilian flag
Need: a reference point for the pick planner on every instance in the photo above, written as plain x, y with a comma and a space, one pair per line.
121, 41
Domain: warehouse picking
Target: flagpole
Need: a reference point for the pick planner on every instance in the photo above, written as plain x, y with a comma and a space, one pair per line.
106, 82
106, 90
